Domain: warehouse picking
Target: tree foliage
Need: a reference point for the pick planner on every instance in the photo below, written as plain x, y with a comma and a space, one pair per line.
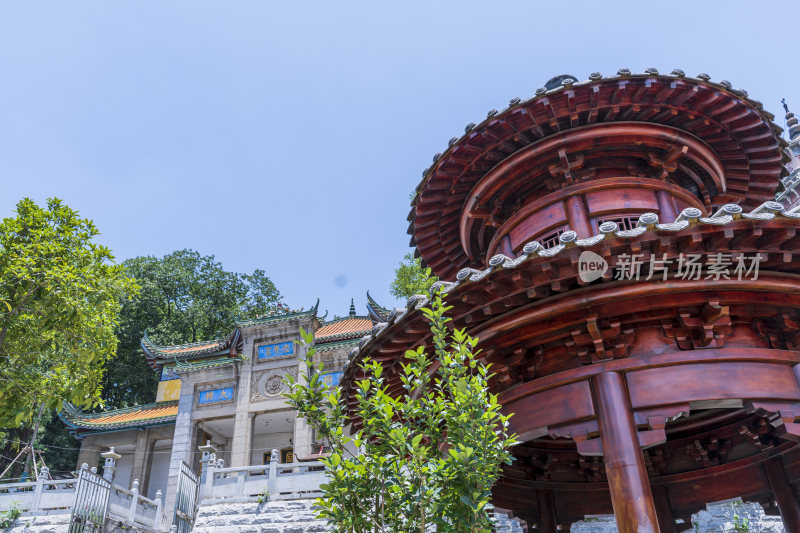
184, 297
429, 457
410, 278
60, 296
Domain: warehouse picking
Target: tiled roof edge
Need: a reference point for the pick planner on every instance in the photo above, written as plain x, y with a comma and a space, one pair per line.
269, 319
691, 216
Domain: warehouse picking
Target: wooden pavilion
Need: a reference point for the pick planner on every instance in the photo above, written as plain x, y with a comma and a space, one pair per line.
615, 245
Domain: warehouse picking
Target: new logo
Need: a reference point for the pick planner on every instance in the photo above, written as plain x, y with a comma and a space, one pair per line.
591, 266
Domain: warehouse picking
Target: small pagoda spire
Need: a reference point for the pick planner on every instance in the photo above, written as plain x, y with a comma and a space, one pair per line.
352, 308
791, 122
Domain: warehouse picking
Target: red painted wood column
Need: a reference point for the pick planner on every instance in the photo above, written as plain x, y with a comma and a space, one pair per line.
631, 496
666, 520
505, 246
787, 502
667, 212
578, 217
548, 522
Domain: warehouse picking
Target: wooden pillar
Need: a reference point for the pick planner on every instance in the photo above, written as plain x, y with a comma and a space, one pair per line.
505, 247
578, 217
666, 207
548, 522
787, 502
666, 520
627, 475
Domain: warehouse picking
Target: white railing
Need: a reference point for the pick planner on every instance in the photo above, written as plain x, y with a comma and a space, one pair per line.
43, 496
273, 481
131, 508
46, 496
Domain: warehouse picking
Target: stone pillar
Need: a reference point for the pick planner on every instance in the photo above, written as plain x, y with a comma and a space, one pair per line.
787, 502
90, 452
140, 454
301, 440
666, 520
548, 522
242, 441
242, 437
182, 444
627, 475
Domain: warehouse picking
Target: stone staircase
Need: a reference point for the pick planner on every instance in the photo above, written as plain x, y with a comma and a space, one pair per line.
295, 516
59, 523
51, 523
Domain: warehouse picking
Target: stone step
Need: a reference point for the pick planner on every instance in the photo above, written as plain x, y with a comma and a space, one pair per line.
287, 516
288, 527
292, 516
55, 523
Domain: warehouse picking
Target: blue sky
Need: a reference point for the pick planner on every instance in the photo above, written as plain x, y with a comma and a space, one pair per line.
288, 136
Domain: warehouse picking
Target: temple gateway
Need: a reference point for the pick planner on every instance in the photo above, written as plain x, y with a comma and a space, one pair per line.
222, 397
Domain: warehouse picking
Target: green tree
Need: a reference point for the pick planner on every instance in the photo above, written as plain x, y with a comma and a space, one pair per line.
428, 457
410, 278
184, 297
60, 296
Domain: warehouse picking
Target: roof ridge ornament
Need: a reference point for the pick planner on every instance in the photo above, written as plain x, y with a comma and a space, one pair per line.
792, 124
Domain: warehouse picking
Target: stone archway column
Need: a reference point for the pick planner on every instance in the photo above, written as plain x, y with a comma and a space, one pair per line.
627, 475
784, 495
183, 445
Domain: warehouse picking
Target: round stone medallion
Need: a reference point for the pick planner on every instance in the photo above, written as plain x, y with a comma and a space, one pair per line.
273, 385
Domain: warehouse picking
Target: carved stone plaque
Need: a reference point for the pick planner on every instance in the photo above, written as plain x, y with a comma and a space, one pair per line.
269, 384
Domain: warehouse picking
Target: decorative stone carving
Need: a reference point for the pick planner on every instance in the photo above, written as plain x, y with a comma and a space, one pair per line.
273, 385
269, 384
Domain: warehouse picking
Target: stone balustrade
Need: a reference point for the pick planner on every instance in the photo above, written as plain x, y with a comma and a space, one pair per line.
273, 481
133, 509
43, 496
57, 496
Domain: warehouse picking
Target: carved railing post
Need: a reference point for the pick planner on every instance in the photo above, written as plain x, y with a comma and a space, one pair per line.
272, 483
240, 477
159, 511
37, 494
134, 501
209, 453
207, 478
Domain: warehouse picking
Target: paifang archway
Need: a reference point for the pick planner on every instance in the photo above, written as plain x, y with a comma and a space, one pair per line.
648, 388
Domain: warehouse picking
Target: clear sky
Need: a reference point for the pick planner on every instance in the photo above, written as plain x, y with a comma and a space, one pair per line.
288, 135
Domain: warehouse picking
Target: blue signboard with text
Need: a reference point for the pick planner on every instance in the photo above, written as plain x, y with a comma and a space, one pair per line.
216, 395
331, 379
279, 349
